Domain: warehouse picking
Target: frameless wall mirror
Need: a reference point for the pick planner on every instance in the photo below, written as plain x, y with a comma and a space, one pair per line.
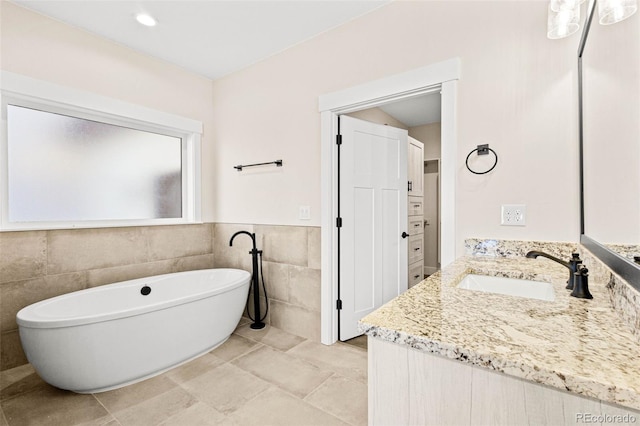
609, 67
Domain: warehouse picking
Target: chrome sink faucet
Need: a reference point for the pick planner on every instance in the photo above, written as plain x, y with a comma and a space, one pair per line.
578, 280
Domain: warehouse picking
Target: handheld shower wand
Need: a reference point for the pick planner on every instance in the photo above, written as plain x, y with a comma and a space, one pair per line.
257, 321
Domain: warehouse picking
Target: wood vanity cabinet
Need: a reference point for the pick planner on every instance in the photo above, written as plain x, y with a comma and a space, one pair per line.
428, 389
415, 177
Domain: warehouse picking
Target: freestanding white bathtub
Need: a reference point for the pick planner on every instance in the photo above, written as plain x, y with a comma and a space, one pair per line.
110, 336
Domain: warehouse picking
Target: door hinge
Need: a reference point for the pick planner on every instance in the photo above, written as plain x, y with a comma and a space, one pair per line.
339, 304
339, 222
338, 139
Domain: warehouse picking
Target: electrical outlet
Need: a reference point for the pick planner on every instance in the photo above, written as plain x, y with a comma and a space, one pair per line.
514, 215
304, 213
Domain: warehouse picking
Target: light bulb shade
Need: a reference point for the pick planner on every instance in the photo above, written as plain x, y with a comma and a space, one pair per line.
612, 11
560, 5
564, 23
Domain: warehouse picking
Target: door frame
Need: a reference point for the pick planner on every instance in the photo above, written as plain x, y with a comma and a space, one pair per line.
441, 76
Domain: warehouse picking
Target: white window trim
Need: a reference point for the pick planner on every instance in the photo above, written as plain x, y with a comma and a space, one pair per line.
30, 92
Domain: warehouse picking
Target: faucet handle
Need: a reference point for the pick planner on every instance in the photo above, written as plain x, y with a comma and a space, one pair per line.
573, 265
581, 284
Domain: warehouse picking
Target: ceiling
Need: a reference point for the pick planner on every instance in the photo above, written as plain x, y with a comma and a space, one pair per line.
416, 111
212, 38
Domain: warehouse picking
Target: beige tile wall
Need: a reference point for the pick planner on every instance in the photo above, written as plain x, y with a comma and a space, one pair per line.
36, 265
291, 261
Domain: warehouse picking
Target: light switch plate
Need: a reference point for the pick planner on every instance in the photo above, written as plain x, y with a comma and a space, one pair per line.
304, 213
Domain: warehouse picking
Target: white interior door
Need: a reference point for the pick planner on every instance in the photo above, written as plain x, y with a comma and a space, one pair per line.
373, 209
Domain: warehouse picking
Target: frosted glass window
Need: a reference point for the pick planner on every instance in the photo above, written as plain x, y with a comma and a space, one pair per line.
63, 168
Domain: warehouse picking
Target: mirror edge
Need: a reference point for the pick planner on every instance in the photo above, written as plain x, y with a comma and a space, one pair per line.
622, 266
626, 269
583, 40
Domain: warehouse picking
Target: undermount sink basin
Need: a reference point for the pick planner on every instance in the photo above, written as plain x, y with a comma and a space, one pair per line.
509, 286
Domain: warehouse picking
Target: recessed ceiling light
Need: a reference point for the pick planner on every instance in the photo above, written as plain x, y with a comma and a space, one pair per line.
146, 20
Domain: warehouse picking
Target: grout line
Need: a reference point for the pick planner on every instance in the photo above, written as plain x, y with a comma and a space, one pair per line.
325, 411
20, 394
316, 388
248, 338
106, 409
281, 388
261, 339
297, 344
270, 386
4, 417
251, 350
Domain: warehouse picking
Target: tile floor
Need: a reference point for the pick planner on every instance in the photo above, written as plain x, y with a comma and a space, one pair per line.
265, 377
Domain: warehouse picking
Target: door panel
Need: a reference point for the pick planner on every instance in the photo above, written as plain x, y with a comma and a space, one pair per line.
364, 255
373, 208
392, 228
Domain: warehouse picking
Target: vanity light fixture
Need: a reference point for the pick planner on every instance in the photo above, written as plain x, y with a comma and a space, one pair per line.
146, 19
612, 11
564, 22
563, 17
559, 5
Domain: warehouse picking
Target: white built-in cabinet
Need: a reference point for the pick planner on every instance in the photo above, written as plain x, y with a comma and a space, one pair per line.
415, 176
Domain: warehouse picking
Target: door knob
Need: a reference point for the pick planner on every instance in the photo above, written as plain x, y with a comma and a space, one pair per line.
405, 235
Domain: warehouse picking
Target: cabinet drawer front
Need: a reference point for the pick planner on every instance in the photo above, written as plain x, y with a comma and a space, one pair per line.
416, 225
415, 206
415, 248
415, 273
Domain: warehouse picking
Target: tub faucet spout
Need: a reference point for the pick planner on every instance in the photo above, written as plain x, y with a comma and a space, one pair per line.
252, 236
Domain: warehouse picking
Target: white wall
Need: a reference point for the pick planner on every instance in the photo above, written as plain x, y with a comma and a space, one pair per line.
429, 135
517, 92
42, 48
376, 115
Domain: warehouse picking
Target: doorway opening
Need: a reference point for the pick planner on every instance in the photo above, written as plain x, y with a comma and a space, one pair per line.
387, 205
421, 116
441, 77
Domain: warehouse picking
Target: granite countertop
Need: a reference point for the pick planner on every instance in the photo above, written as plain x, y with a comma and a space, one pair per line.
572, 344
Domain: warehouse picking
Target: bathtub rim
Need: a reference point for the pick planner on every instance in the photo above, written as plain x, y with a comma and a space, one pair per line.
28, 316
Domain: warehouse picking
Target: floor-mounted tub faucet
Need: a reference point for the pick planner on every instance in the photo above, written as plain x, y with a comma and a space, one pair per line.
578, 280
257, 321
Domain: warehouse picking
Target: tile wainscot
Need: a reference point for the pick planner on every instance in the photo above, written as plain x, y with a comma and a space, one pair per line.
439, 354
